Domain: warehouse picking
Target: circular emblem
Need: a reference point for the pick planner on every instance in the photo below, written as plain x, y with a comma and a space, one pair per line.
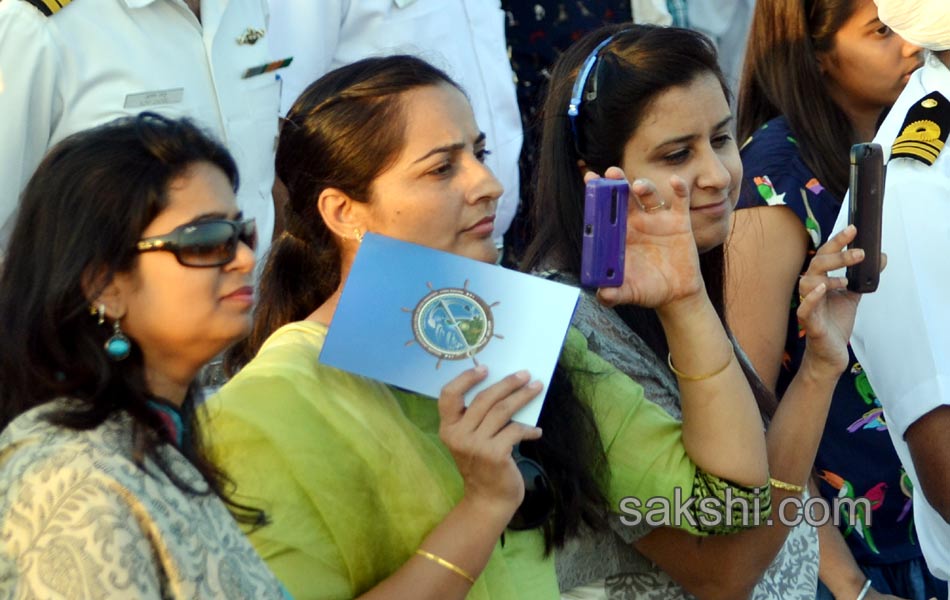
929, 103
452, 323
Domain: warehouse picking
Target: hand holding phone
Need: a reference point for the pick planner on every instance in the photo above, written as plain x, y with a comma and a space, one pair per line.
866, 197
605, 233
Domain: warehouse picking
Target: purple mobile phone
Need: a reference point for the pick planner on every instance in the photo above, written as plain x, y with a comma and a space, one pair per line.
605, 232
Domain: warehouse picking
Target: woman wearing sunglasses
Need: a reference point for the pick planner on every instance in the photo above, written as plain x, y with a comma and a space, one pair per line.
378, 493
129, 267
654, 101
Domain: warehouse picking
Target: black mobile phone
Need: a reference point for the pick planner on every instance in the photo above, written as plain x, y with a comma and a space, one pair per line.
605, 233
866, 195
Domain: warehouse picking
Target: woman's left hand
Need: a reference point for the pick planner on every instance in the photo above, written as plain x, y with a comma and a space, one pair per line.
826, 308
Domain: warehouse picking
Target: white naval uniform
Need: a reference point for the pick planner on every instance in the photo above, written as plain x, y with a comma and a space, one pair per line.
464, 38
96, 60
902, 331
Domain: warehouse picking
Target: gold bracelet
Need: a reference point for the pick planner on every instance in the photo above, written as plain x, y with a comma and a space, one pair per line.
791, 487
682, 375
444, 563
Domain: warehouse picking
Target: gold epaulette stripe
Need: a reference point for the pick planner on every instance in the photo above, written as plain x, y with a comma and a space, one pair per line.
925, 154
923, 146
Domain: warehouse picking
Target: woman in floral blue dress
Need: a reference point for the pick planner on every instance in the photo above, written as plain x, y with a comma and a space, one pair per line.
812, 88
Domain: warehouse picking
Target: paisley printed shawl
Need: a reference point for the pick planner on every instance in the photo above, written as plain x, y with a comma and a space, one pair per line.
79, 519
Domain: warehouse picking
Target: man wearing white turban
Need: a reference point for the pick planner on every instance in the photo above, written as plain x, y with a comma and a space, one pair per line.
922, 22
902, 331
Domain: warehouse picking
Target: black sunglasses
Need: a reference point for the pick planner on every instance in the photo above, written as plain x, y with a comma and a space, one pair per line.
210, 243
538, 502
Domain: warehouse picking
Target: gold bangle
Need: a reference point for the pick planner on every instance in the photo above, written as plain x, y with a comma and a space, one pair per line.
791, 487
682, 375
444, 563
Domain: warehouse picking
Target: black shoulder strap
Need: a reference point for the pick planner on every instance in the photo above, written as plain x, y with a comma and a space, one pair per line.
925, 130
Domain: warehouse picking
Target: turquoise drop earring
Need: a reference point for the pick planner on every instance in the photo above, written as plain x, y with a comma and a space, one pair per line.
118, 346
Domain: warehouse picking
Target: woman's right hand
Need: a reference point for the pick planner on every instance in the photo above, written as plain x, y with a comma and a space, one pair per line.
661, 263
481, 436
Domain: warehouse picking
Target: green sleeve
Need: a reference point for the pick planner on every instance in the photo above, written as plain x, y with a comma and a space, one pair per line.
644, 447
643, 444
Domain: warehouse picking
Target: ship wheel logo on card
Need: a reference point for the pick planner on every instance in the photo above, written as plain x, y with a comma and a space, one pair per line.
452, 324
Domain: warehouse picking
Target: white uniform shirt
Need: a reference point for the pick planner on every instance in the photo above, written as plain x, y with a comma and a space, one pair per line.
727, 23
97, 60
655, 12
902, 331
464, 38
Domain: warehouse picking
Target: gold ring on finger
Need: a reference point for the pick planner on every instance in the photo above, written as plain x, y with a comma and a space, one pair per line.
657, 207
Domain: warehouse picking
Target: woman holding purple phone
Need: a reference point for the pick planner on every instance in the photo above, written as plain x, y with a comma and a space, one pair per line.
654, 102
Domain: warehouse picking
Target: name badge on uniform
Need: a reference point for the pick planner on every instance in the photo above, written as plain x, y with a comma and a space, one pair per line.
267, 68
156, 98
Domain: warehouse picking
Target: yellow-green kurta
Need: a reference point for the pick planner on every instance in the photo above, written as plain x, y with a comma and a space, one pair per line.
353, 476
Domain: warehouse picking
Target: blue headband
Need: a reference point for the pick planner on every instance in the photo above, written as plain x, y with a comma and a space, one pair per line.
577, 94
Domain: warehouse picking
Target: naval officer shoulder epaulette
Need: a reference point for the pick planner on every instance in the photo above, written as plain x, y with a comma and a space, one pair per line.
925, 130
49, 7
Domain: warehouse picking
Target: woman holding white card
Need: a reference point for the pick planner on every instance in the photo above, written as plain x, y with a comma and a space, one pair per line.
375, 492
